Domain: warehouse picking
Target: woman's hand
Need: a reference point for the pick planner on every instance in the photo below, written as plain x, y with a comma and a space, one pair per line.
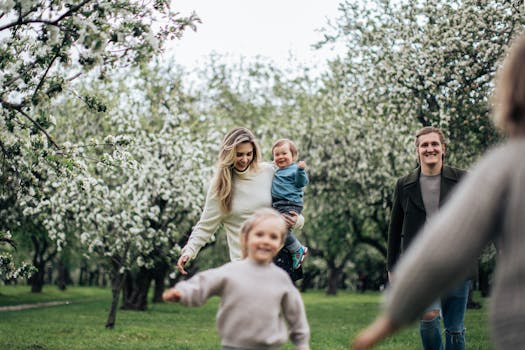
290, 218
181, 263
171, 295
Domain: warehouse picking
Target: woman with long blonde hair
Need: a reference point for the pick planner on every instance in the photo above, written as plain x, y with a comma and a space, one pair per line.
241, 185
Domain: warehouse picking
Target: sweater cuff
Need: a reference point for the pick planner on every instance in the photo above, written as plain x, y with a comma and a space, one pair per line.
188, 251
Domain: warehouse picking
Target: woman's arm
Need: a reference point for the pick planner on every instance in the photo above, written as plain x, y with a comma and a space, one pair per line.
209, 221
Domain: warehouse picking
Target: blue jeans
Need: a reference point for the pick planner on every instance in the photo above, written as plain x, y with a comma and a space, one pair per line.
291, 243
453, 306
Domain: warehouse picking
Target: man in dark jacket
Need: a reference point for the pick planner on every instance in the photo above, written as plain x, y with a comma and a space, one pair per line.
417, 197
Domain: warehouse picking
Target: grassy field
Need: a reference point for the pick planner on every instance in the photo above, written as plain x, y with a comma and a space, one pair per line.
80, 324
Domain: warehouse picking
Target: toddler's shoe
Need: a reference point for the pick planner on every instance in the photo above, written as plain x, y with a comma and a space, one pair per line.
298, 257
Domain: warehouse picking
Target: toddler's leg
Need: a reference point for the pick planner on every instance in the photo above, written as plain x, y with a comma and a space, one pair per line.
291, 243
296, 249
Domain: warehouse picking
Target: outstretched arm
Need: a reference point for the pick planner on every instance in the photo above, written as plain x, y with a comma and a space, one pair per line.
208, 223
373, 334
171, 294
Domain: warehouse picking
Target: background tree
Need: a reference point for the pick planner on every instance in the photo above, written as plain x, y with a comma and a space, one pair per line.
409, 64
46, 45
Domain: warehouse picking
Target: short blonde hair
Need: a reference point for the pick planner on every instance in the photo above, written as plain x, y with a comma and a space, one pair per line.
428, 130
257, 217
281, 142
509, 94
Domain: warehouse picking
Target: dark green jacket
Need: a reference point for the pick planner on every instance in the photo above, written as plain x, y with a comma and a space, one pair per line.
408, 211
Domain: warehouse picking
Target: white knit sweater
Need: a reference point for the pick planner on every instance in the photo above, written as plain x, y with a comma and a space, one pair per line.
251, 191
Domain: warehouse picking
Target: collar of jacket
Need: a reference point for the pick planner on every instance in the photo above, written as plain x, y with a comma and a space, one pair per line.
449, 178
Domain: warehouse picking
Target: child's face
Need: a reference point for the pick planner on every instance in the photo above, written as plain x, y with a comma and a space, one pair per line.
282, 156
264, 240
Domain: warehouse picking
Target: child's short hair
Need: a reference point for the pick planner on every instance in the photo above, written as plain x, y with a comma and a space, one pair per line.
258, 216
290, 143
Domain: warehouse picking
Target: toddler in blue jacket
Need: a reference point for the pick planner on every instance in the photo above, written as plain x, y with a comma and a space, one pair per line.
287, 191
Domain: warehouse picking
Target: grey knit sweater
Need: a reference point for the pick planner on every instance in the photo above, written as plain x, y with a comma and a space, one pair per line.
488, 204
260, 307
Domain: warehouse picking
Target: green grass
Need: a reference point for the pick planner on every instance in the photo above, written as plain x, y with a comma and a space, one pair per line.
80, 324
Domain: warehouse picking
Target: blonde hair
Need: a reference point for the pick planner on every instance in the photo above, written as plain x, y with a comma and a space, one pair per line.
222, 184
256, 218
428, 130
281, 142
509, 95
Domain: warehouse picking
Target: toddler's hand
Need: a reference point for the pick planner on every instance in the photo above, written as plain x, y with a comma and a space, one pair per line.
301, 164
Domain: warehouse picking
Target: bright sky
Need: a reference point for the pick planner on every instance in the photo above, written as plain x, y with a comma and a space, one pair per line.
277, 29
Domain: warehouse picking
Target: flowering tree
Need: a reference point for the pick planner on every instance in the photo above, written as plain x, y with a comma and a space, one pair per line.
344, 151
140, 174
29, 179
431, 61
9, 270
44, 46
409, 64
136, 203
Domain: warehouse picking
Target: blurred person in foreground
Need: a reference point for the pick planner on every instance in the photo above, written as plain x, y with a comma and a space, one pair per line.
489, 204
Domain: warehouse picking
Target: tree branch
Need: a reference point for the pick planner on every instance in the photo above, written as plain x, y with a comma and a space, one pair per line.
18, 108
20, 22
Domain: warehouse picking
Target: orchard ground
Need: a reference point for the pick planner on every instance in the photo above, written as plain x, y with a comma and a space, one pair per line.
78, 322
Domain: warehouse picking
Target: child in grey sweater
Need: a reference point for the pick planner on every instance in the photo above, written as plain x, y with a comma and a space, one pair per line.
260, 307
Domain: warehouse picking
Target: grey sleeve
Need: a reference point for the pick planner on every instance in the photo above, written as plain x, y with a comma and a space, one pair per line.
295, 315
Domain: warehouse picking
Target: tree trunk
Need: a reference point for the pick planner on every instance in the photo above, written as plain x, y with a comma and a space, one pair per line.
116, 286
307, 281
135, 291
82, 275
62, 278
40, 246
37, 279
159, 274
484, 281
334, 276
